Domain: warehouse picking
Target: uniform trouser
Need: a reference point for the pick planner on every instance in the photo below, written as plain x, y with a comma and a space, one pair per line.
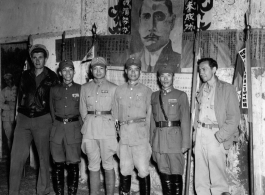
8, 128
138, 156
98, 150
210, 164
28, 129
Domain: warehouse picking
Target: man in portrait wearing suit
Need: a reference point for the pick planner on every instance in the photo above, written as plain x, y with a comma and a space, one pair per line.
156, 21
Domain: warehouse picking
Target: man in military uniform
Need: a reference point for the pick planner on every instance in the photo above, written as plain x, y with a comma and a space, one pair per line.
7, 104
99, 135
34, 121
133, 111
65, 137
170, 131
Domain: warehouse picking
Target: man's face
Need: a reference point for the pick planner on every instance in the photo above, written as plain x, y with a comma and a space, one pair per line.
206, 72
68, 74
155, 25
38, 60
133, 72
9, 82
166, 79
98, 72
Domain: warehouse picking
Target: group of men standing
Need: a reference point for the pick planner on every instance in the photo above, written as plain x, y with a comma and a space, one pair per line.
65, 118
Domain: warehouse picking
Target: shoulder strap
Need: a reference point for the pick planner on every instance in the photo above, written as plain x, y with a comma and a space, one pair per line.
161, 105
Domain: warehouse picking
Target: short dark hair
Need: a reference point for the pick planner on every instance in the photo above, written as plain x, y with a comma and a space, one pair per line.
212, 62
168, 3
39, 50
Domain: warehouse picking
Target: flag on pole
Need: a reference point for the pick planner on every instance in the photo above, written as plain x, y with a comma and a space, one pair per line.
240, 80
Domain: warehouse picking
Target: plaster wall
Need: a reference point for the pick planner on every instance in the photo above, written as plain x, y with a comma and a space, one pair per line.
25, 17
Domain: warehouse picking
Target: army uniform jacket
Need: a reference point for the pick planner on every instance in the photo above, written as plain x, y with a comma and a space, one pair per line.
64, 103
97, 96
133, 102
176, 106
8, 102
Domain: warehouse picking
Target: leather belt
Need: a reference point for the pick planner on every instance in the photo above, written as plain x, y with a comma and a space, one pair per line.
168, 124
208, 126
98, 112
132, 121
67, 120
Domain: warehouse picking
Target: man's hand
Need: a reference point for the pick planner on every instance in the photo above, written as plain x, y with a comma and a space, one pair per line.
184, 150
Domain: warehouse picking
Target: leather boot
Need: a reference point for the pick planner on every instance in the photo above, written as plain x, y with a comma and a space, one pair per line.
144, 185
72, 178
110, 181
166, 184
58, 178
125, 184
176, 184
94, 181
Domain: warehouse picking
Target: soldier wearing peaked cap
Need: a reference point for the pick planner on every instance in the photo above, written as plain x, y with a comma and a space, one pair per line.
65, 137
34, 121
133, 110
7, 104
99, 134
170, 130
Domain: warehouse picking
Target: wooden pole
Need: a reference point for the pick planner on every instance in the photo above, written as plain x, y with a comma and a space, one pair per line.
249, 95
196, 48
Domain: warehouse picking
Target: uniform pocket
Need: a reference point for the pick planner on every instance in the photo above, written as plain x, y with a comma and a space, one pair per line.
172, 108
109, 127
53, 131
142, 131
77, 130
173, 138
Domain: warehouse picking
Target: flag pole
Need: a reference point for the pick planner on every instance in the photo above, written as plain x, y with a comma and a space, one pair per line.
196, 48
249, 95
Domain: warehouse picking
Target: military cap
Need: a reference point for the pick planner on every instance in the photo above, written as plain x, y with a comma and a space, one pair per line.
8, 76
39, 48
66, 63
99, 61
133, 61
166, 69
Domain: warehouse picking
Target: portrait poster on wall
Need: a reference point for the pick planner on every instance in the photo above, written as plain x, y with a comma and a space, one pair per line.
156, 33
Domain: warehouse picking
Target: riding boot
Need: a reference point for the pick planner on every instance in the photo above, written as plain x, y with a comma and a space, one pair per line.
125, 184
144, 185
94, 181
110, 181
166, 184
58, 178
72, 178
176, 184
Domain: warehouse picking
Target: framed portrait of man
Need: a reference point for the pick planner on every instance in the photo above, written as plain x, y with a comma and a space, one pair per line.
156, 32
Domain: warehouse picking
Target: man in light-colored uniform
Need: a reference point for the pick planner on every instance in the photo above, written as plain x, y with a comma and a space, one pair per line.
216, 128
99, 134
133, 111
7, 104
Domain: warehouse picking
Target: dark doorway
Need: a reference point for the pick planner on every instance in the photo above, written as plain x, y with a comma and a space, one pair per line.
14, 58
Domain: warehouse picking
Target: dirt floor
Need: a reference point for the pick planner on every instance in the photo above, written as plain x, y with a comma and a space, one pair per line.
28, 184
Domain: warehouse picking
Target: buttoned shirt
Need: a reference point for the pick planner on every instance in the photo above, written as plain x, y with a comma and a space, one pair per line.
206, 113
176, 107
7, 103
97, 96
64, 100
133, 102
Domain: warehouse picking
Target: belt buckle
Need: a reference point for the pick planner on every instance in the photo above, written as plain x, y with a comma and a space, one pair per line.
97, 112
65, 120
169, 124
129, 122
